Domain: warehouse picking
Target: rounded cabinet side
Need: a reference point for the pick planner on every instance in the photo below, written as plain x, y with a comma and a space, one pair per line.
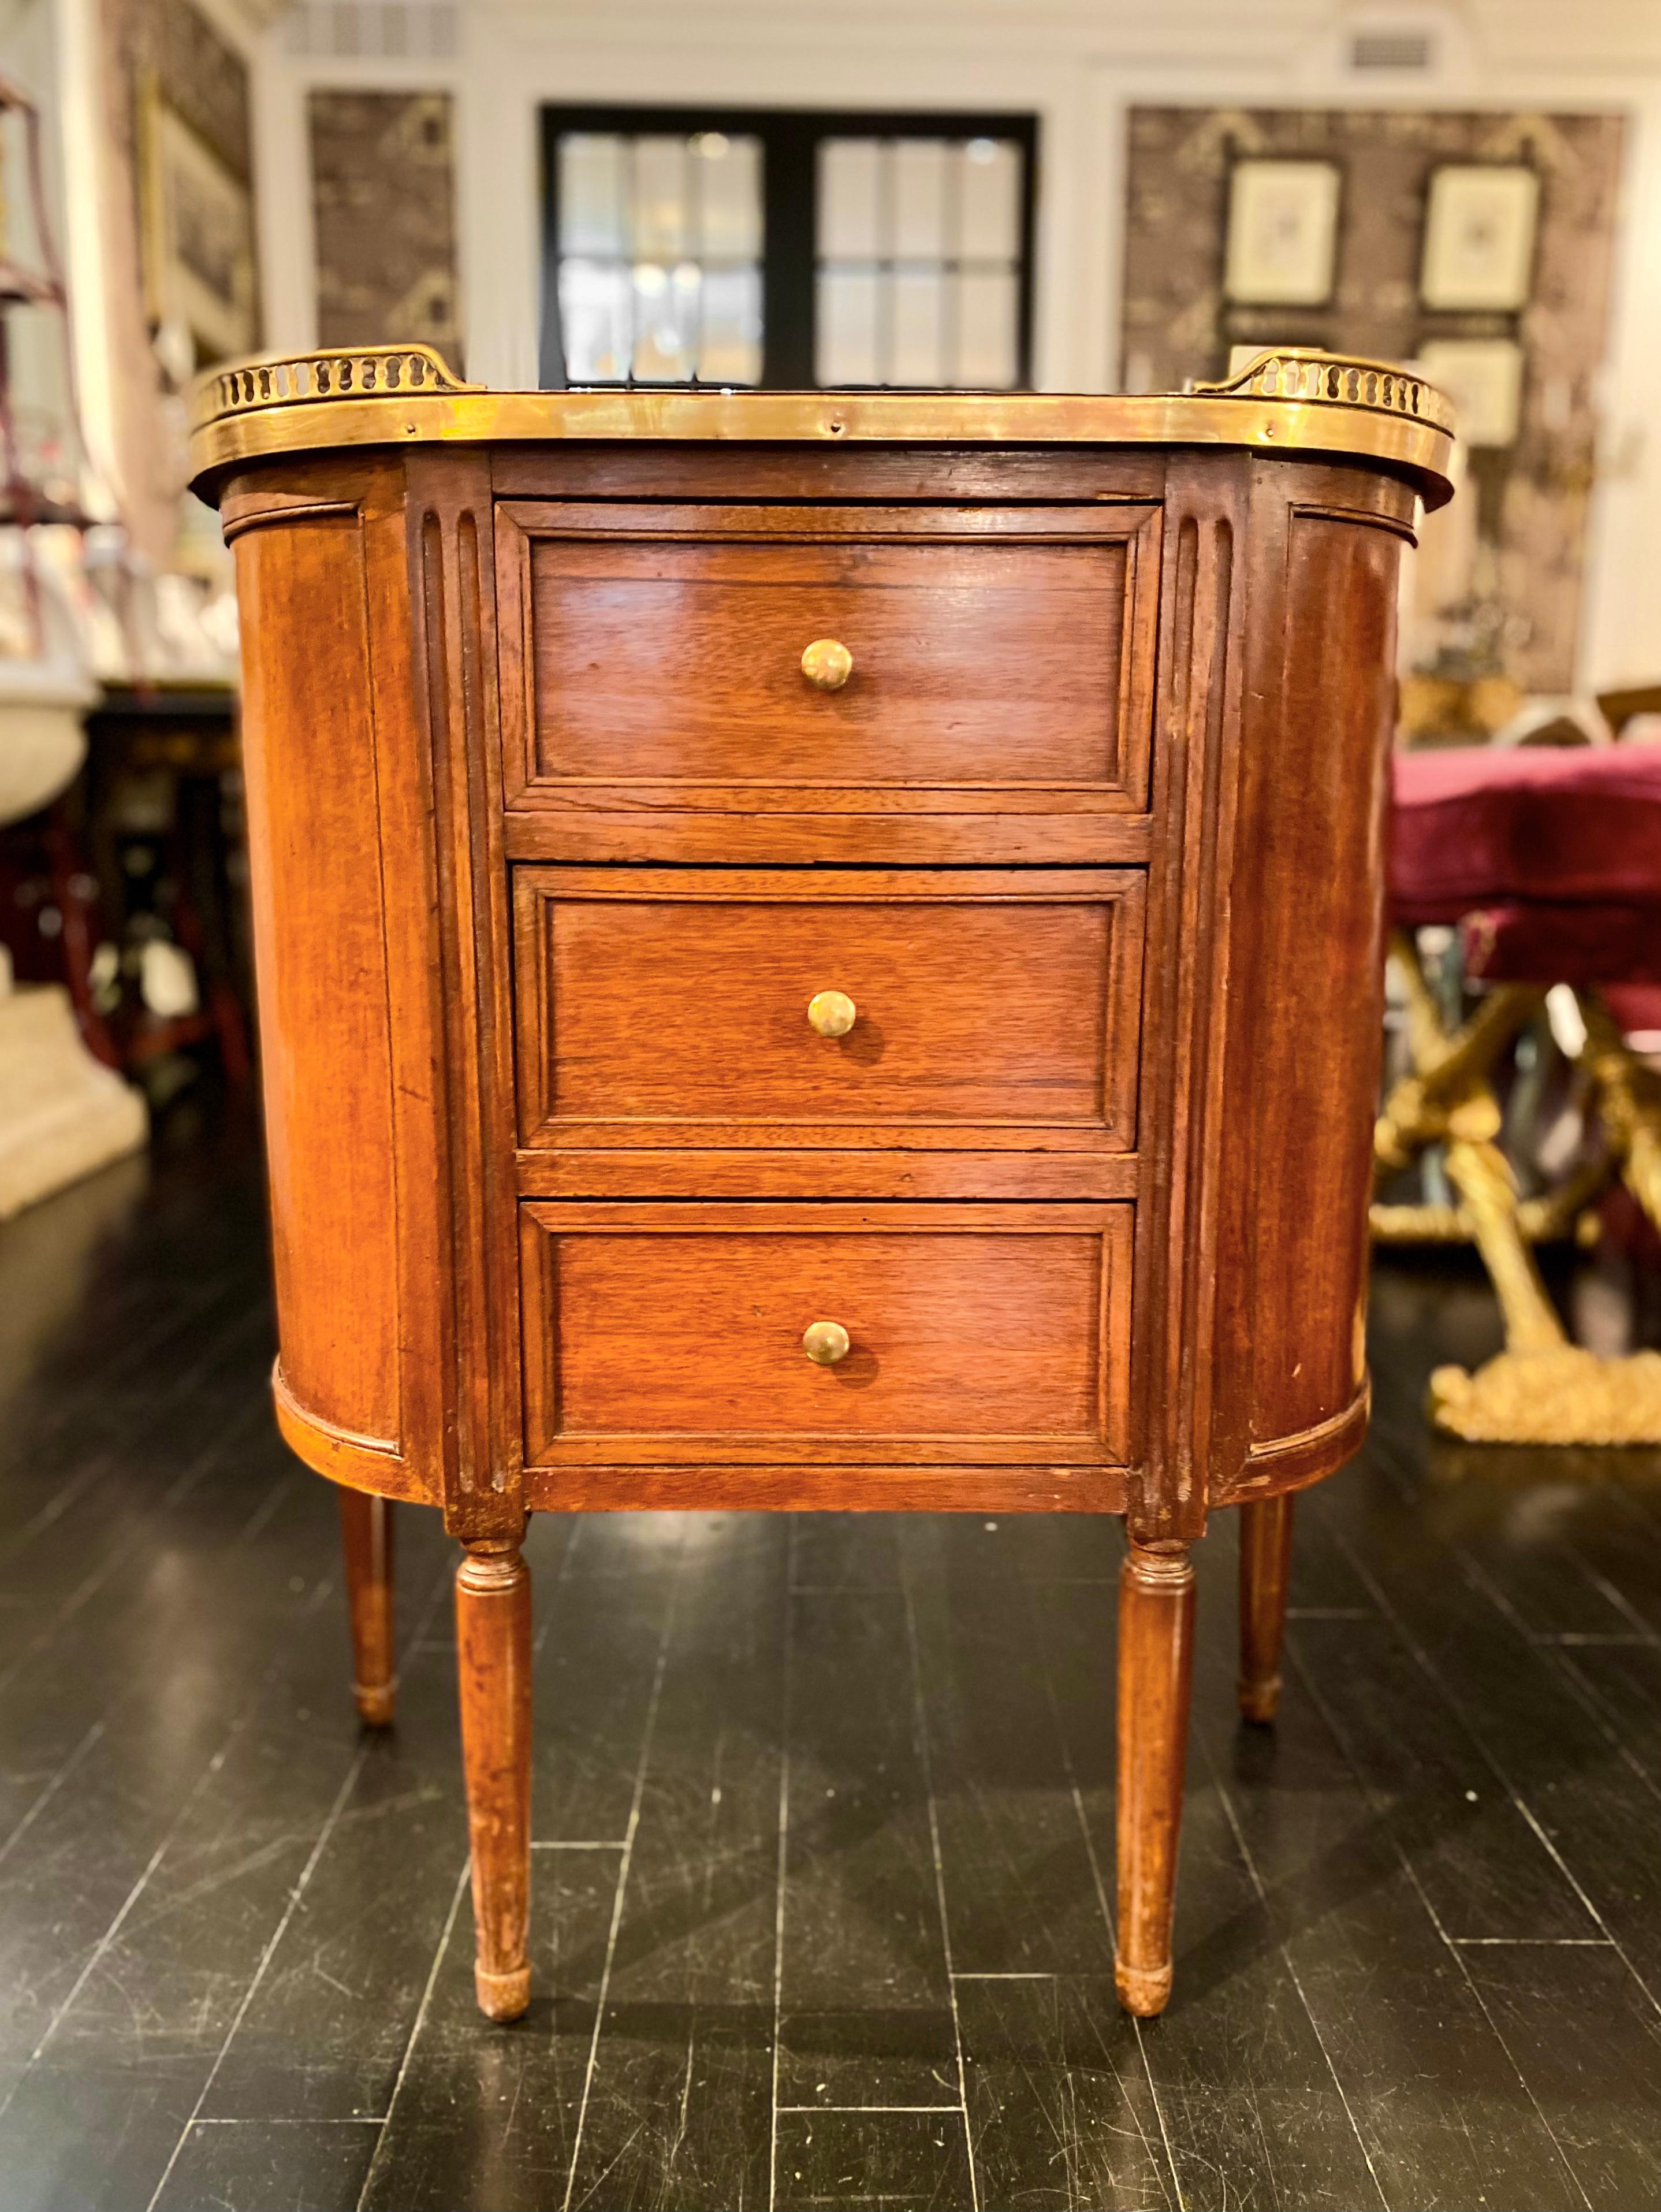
1305, 971
339, 917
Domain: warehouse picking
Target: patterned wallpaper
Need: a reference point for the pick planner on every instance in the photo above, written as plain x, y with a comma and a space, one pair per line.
383, 199
1531, 497
207, 82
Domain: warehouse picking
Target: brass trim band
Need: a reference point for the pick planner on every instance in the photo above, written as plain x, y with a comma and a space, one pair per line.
398, 395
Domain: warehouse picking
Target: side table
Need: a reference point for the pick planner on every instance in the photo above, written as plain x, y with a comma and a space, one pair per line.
819, 950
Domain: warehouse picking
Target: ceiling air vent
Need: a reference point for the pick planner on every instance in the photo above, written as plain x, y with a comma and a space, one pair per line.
1392, 50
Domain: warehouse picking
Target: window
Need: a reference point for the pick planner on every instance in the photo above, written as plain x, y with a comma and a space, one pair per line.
787, 250
660, 256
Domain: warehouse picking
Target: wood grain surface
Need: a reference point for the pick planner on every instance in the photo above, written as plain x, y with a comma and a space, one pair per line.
1155, 1676
493, 1660
1309, 957
992, 1008
327, 1064
999, 650
366, 1529
826, 1169
1265, 1576
797, 475
626, 824
668, 1335
449, 524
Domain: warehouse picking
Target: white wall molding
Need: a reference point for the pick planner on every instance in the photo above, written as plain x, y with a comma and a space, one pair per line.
84, 141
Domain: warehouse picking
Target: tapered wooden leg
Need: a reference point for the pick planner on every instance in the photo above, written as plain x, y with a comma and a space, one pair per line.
492, 1653
1265, 1567
366, 1529
1155, 1673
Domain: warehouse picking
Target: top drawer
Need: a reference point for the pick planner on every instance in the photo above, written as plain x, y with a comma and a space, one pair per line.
998, 659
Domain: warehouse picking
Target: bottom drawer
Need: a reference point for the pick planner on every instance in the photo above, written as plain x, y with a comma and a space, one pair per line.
664, 1335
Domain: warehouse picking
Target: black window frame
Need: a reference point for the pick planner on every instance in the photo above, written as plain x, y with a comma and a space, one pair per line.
790, 138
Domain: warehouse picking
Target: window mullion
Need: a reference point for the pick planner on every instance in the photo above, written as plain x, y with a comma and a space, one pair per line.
789, 200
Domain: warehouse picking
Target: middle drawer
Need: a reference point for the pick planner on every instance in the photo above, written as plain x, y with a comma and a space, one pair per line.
976, 1009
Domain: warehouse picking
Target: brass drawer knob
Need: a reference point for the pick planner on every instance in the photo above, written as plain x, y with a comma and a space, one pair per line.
826, 664
825, 1342
833, 1014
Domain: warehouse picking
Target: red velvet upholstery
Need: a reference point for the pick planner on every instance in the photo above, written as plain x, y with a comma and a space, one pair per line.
1532, 942
1478, 826
1549, 860
1636, 1007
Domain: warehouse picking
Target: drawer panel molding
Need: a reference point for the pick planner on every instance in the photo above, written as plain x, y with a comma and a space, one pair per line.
663, 1334
923, 660
934, 1009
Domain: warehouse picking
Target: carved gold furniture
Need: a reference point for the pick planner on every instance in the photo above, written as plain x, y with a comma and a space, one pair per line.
1549, 863
1541, 1389
790, 929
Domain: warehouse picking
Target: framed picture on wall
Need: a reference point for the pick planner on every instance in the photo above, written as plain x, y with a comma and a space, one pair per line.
1480, 221
1283, 233
1483, 378
198, 237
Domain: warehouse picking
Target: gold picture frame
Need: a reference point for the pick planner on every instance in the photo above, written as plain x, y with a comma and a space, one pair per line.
1282, 238
1480, 218
1483, 378
198, 237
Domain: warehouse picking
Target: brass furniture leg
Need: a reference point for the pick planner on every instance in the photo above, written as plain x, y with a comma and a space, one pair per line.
1265, 1568
493, 1655
1155, 1673
366, 1529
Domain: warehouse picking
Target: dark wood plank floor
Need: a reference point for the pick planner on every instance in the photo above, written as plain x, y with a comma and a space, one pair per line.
823, 1813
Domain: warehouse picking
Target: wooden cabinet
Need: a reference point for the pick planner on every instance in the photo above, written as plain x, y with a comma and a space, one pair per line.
819, 951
